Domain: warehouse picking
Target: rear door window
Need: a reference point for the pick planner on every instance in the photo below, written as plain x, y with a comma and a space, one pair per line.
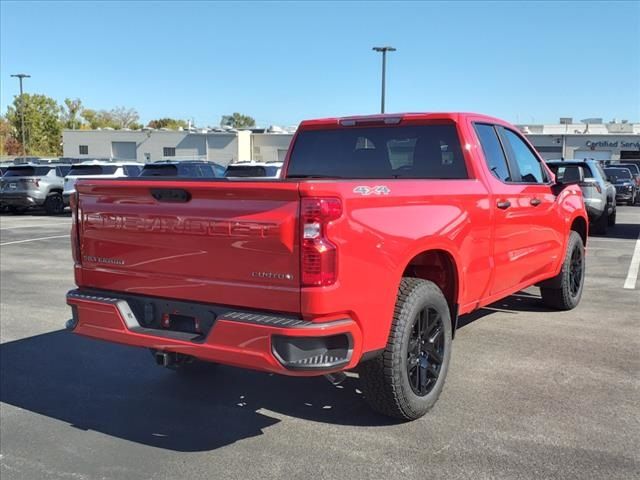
132, 170
86, 170
493, 153
62, 171
248, 171
424, 151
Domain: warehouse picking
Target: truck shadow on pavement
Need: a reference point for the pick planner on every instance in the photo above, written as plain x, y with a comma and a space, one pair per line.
522, 301
119, 391
624, 231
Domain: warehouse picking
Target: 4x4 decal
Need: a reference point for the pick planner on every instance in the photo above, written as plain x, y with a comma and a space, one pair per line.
377, 190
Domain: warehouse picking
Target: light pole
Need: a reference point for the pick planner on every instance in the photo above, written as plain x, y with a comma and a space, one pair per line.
20, 76
384, 51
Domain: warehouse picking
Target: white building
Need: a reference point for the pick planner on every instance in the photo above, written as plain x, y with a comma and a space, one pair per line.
151, 145
591, 138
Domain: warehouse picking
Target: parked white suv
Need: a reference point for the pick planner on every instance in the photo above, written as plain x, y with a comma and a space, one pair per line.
98, 169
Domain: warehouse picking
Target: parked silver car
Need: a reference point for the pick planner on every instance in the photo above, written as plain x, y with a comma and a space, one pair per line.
26, 186
599, 194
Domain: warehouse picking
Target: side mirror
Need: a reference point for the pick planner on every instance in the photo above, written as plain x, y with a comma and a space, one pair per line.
570, 175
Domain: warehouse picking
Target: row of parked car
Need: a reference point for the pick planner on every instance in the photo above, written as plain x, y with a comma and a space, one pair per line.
604, 186
50, 185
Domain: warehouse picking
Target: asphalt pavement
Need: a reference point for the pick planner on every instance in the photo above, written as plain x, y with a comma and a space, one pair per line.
531, 393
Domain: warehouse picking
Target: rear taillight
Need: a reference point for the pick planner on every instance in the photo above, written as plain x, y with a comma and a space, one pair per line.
75, 227
595, 185
33, 181
319, 256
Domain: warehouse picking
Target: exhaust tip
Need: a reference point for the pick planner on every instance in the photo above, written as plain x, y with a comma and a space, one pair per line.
70, 324
73, 321
336, 378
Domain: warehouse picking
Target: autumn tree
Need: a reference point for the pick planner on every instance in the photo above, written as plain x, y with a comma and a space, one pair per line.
124, 117
9, 144
116, 118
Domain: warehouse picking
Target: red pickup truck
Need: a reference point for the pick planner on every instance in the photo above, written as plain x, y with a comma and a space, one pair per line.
382, 231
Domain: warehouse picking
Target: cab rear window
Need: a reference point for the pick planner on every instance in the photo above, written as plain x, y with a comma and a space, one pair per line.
425, 151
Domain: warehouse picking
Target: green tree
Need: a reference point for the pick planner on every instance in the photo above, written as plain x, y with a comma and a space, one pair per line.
170, 123
237, 120
43, 128
71, 113
97, 118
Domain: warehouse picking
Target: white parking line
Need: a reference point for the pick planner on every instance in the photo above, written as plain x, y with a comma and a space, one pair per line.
37, 225
632, 276
33, 240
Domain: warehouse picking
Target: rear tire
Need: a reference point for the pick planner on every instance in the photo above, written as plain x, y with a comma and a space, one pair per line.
611, 221
54, 204
599, 226
571, 278
405, 380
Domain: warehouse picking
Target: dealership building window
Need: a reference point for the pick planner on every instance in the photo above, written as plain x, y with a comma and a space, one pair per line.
84, 149
169, 151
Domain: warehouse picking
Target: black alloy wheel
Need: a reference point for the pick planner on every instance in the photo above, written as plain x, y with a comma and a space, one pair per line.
426, 351
575, 271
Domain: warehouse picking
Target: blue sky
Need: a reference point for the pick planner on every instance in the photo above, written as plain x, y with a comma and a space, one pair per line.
282, 62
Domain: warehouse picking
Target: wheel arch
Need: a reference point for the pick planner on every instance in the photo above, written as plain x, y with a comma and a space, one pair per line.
581, 226
439, 266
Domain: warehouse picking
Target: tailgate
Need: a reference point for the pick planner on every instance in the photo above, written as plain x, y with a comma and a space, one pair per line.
214, 242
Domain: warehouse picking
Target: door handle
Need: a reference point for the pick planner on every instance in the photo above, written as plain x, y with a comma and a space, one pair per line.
535, 202
503, 204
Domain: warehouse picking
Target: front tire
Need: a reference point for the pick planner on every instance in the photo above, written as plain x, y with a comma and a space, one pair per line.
571, 278
600, 225
406, 380
16, 210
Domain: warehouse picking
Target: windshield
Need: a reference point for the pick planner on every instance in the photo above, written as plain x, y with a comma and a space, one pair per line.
26, 171
632, 166
621, 173
425, 151
84, 170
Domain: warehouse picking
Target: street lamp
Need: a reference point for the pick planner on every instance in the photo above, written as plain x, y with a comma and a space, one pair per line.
20, 76
384, 51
